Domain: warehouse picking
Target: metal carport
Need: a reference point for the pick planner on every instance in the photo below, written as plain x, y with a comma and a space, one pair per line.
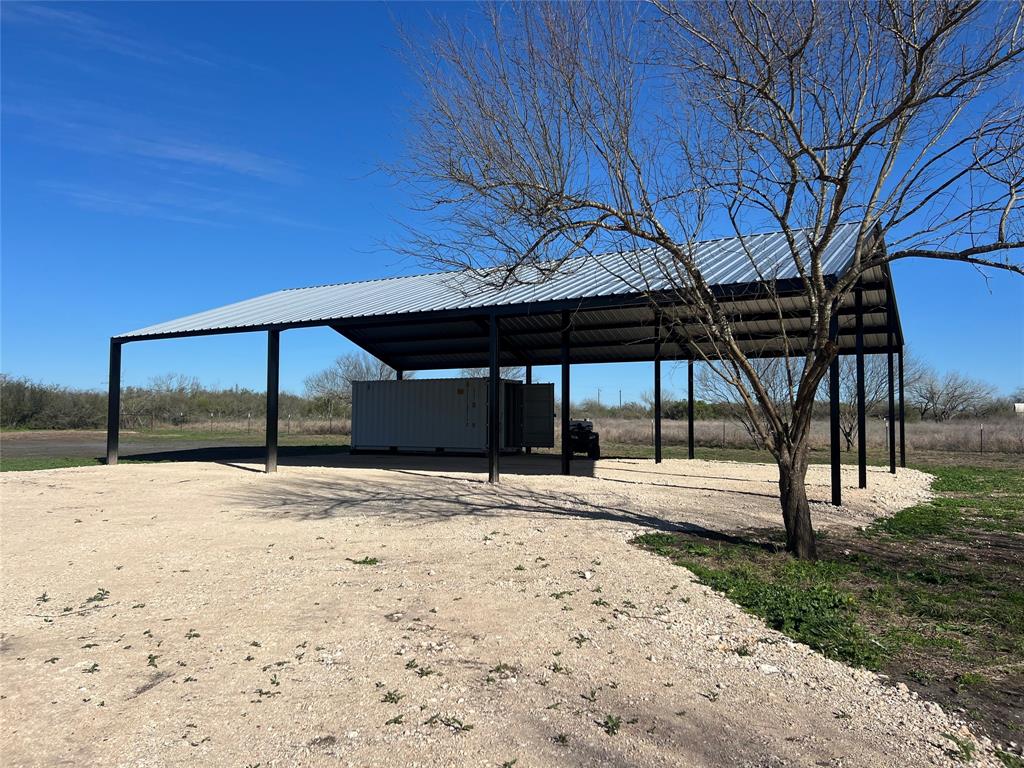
617, 307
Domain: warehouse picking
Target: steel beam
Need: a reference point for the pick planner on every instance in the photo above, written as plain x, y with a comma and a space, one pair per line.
892, 413
114, 402
273, 379
862, 438
399, 373
833, 424
689, 408
657, 403
566, 442
494, 403
529, 380
903, 420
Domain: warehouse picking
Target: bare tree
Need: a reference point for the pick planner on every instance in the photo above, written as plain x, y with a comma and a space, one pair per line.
941, 398
876, 389
516, 372
554, 130
332, 387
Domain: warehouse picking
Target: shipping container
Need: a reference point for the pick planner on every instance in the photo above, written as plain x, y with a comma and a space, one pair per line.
448, 415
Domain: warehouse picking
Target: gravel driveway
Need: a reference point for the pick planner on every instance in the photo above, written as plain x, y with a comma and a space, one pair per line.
199, 614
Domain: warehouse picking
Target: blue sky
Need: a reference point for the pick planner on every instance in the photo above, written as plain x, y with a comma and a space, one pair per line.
159, 159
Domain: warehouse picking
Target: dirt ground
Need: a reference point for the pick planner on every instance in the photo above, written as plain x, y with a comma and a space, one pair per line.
402, 612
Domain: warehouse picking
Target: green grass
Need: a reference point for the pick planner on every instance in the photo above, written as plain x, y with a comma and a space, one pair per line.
933, 595
31, 463
801, 599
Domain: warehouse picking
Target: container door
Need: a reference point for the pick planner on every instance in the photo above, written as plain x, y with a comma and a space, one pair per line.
538, 403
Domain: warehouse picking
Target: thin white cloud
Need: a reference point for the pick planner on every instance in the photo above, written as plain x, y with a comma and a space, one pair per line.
207, 205
90, 127
92, 32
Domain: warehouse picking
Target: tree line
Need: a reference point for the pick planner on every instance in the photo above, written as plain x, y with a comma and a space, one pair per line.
177, 400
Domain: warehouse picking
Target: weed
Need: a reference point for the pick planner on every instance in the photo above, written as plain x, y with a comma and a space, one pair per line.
43, 598
520, 567
191, 634
426, 671
580, 639
151, 660
971, 678
591, 697
392, 697
600, 602
503, 670
396, 720
364, 561
448, 721
561, 739
962, 749
510, 763
611, 724
94, 667
101, 595
563, 594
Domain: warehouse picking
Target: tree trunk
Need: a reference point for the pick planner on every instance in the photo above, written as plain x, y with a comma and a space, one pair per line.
796, 512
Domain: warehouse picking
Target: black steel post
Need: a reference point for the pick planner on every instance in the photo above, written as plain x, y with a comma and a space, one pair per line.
862, 437
114, 402
833, 419
529, 380
566, 443
494, 404
399, 373
903, 420
657, 398
892, 411
689, 408
273, 378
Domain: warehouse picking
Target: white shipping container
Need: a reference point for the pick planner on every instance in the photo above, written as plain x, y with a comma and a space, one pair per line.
434, 415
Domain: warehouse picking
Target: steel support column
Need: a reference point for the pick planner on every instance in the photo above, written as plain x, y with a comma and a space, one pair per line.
399, 374
689, 408
273, 378
833, 420
494, 404
862, 437
892, 410
529, 380
903, 436
114, 402
657, 397
566, 443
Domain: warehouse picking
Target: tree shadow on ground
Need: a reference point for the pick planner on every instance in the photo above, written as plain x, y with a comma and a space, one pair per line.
405, 494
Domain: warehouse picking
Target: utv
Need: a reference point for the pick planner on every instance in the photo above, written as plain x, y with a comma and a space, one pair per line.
583, 438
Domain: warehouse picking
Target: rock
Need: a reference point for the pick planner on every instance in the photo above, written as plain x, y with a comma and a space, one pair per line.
768, 669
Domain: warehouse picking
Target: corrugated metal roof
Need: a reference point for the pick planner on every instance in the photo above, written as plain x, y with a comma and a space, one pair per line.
724, 262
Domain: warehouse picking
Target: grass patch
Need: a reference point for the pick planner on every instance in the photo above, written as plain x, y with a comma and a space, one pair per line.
32, 463
800, 599
932, 596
